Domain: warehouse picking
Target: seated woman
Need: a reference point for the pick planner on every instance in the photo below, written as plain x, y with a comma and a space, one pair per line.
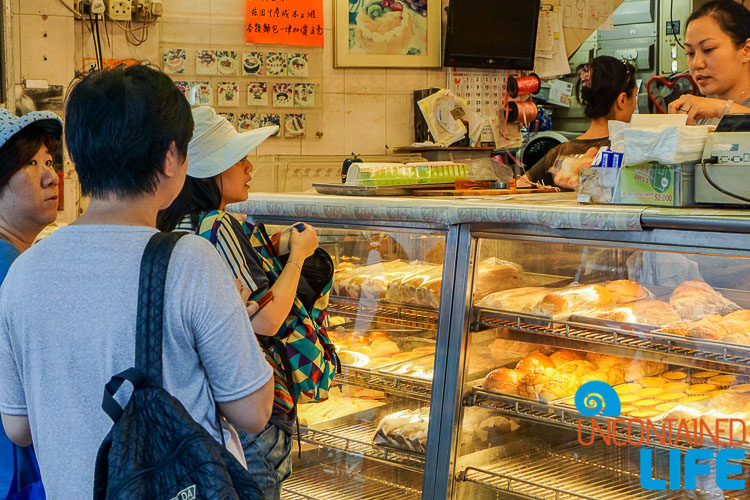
717, 45
607, 91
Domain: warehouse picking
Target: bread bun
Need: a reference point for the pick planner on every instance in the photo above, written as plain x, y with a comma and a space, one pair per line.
537, 370
503, 380
565, 355
625, 291
611, 376
577, 368
561, 385
741, 315
535, 363
694, 300
710, 328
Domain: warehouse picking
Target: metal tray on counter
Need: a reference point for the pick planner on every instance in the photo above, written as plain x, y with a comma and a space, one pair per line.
394, 190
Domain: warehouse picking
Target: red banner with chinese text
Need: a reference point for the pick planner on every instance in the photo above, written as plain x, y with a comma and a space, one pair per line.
285, 22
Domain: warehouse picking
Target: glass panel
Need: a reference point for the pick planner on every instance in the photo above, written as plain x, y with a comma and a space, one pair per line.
368, 439
664, 337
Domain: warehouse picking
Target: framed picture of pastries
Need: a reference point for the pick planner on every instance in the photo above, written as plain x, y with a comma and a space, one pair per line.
386, 33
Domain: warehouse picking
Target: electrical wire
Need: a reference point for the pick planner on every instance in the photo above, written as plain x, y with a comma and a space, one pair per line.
671, 22
71, 9
99, 41
93, 39
717, 187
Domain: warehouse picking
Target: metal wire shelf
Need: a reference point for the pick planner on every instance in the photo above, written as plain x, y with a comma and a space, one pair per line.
356, 439
394, 385
386, 312
573, 472
566, 417
660, 343
332, 482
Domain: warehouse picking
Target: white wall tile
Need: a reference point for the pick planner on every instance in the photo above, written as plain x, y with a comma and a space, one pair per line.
331, 125
333, 78
437, 78
47, 7
148, 51
182, 33
364, 81
364, 124
399, 121
264, 178
280, 145
46, 48
227, 34
185, 6
231, 7
404, 81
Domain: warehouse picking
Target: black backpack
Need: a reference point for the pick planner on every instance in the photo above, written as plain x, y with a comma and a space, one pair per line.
155, 450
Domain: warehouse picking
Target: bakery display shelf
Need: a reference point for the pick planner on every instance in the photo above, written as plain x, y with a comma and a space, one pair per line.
659, 343
394, 385
566, 417
356, 438
571, 472
386, 312
339, 482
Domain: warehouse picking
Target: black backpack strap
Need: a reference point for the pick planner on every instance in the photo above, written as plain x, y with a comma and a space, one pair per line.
153, 277
110, 405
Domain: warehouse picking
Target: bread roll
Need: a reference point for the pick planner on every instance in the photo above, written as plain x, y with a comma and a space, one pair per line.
729, 403
537, 369
611, 376
577, 368
565, 355
709, 328
574, 299
741, 315
625, 291
694, 300
640, 368
503, 380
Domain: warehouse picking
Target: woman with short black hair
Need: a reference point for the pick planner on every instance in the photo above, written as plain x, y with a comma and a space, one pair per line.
606, 89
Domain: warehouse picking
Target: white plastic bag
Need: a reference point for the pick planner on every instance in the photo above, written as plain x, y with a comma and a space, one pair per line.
666, 144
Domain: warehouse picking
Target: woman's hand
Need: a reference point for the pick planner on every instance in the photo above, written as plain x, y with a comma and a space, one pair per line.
302, 244
697, 107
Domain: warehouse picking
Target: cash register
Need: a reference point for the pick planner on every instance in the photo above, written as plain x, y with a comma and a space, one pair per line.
723, 175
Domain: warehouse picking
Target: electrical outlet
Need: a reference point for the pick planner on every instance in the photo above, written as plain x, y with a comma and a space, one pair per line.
157, 7
119, 10
97, 6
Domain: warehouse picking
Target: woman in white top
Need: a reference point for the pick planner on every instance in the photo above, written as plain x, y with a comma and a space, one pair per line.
717, 45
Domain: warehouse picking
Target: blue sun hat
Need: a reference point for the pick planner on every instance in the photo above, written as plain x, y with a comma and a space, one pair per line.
11, 124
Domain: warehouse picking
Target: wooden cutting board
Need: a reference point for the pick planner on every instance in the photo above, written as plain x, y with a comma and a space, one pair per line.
482, 192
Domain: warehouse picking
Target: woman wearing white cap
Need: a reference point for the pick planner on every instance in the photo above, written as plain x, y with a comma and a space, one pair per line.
218, 173
28, 203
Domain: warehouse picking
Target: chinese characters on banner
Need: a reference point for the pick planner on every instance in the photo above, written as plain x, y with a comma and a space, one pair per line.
285, 22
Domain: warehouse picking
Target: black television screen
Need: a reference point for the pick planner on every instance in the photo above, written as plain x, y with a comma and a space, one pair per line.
491, 34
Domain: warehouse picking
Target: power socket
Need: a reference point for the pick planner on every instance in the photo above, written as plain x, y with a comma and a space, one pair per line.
97, 6
119, 10
157, 8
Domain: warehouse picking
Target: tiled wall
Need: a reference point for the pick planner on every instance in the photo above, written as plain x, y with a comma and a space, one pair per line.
366, 111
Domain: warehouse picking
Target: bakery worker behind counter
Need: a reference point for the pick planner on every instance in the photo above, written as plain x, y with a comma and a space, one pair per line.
606, 89
717, 46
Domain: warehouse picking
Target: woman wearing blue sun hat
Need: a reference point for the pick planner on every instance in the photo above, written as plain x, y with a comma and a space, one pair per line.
28, 203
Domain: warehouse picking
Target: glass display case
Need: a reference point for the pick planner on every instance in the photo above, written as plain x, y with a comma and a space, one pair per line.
529, 349
368, 439
610, 358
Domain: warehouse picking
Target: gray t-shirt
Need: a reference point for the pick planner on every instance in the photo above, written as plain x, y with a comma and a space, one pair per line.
67, 324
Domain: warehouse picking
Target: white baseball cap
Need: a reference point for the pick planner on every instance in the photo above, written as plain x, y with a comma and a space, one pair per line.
216, 145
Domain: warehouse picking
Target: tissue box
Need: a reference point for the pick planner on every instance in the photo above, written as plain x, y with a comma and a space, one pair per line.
641, 184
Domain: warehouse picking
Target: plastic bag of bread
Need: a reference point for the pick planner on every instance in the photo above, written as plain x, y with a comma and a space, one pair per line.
578, 299
625, 291
639, 368
375, 285
517, 300
407, 429
695, 299
400, 289
494, 274
510, 351
604, 361
643, 312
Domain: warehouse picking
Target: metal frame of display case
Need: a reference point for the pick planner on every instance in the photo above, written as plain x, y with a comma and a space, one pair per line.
355, 439
670, 235
725, 233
